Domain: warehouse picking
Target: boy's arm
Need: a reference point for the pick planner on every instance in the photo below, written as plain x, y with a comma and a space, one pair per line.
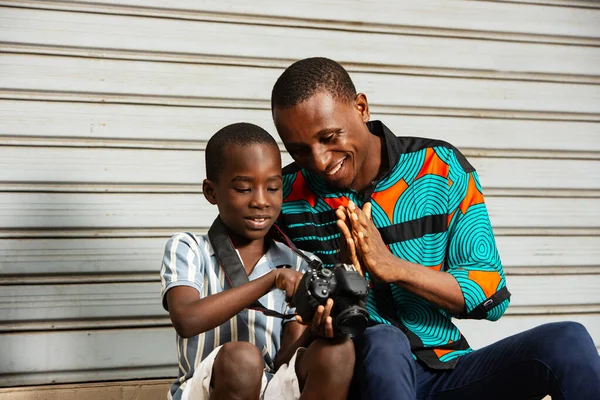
296, 335
192, 316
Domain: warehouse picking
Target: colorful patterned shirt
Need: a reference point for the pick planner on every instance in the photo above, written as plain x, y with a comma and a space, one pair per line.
430, 210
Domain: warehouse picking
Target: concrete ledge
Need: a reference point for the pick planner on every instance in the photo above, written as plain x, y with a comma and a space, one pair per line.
126, 390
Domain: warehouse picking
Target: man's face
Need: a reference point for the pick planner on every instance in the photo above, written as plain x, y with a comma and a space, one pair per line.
248, 191
326, 136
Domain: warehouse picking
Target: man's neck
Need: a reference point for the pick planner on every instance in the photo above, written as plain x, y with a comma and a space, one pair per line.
373, 166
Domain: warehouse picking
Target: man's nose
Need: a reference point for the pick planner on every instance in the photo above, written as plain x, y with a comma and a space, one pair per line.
320, 157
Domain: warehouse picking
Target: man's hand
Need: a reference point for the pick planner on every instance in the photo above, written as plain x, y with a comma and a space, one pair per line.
287, 280
322, 323
347, 243
370, 247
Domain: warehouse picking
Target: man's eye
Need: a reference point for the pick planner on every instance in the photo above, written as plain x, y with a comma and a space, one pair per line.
274, 189
329, 138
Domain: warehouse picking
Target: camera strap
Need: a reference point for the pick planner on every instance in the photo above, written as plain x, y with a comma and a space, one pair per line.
231, 264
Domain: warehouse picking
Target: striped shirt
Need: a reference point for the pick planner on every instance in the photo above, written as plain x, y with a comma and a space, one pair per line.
189, 262
429, 208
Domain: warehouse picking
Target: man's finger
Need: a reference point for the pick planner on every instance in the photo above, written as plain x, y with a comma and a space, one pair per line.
343, 227
367, 209
341, 213
362, 242
361, 217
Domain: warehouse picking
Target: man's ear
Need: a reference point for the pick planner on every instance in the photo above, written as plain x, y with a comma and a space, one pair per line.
209, 190
362, 105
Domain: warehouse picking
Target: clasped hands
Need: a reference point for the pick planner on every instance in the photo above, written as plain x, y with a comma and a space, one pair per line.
361, 243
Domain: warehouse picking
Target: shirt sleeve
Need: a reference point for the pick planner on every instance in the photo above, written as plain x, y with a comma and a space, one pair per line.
182, 265
472, 256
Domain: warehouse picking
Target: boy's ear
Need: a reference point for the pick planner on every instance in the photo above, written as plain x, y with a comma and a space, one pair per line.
209, 190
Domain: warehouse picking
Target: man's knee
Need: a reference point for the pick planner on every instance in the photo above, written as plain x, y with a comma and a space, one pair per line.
562, 342
385, 366
240, 363
384, 342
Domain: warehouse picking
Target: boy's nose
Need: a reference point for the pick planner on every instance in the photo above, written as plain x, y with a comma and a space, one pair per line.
260, 199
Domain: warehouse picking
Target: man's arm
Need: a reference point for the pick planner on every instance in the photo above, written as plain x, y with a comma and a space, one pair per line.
472, 284
439, 288
192, 316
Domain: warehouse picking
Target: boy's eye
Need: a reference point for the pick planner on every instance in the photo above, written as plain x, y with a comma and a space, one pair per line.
242, 190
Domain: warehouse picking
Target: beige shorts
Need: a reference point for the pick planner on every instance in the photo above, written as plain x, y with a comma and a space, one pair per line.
284, 384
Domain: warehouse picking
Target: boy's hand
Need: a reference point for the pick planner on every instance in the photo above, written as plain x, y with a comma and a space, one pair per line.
322, 323
287, 280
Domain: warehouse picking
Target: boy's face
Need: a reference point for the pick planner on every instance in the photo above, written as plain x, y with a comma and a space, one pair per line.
327, 136
248, 191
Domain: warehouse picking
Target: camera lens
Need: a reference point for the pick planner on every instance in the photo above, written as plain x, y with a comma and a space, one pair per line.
352, 321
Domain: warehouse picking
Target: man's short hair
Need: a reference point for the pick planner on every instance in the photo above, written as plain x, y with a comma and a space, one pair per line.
239, 134
304, 78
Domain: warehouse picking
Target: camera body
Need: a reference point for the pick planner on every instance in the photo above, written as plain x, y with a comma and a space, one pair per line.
345, 286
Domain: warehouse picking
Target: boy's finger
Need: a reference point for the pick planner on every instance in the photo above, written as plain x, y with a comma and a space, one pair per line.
328, 307
329, 327
318, 317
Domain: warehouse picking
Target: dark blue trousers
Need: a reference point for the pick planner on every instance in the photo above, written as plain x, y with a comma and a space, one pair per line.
558, 359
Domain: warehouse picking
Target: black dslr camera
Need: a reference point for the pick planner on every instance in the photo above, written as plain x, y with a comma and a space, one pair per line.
347, 289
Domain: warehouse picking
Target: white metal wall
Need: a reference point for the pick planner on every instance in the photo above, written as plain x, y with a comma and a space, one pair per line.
106, 106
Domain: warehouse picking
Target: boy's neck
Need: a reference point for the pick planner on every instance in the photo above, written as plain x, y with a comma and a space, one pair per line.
251, 251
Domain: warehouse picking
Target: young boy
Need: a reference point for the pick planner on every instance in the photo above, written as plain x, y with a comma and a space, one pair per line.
226, 350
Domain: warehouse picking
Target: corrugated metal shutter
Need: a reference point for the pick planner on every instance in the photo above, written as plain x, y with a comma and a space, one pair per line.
106, 106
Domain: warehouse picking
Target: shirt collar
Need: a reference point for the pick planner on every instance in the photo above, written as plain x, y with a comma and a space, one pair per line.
390, 143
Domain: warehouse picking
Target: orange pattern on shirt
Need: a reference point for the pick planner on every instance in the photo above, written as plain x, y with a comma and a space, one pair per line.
301, 191
386, 199
433, 165
472, 197
488, 281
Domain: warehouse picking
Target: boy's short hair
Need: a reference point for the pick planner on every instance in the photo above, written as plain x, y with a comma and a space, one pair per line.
301, 80
239, 134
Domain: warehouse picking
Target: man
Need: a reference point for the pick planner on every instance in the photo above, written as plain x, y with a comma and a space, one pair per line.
412, 213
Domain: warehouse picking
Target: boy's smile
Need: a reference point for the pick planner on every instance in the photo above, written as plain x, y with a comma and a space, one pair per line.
248, 190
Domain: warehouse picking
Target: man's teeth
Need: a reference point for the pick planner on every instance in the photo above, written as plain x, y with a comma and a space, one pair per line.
336, 169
